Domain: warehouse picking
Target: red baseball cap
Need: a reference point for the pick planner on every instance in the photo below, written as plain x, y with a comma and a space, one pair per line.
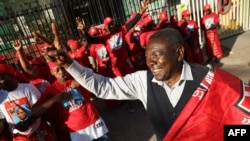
5, 68
93, 31
163, 16
206, 7
8, 69
185, 13
108, 20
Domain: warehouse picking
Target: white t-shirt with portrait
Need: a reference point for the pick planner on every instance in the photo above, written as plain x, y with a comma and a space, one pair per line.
15, 106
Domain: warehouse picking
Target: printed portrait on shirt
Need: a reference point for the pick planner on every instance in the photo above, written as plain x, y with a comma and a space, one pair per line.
102, 53
209, 22
19, 110
75, 102
115, 42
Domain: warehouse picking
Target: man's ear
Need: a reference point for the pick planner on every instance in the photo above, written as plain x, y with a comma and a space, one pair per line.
180, 51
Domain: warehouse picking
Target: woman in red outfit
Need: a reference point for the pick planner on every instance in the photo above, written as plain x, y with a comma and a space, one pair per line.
209, 23
191, 28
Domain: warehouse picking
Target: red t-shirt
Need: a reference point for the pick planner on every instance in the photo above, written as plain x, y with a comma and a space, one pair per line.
76, 114
118, 52
100, 54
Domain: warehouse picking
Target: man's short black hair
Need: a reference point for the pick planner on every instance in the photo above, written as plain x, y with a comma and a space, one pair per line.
170, 35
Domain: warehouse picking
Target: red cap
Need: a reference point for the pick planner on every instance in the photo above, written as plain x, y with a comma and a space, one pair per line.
69, 41
173, 19
163, 16
8, 69
108, 20
52, 65
185, 13
5, 68
93, 31
206, 7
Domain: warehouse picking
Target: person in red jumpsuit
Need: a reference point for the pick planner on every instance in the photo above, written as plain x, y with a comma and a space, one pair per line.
209, 23
191, 28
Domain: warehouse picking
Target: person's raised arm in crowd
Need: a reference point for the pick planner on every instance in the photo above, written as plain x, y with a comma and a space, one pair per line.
26, 66
39, 38
133, 21
56, 42
83, 31
81, 26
